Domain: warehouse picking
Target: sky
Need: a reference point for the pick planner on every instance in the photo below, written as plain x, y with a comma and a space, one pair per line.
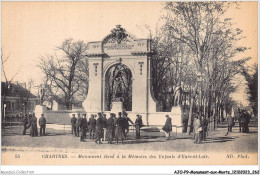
33, 29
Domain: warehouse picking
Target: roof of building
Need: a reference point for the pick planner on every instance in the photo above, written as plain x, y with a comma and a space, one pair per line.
15, 90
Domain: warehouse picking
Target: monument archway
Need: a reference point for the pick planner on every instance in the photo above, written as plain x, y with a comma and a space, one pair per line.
118, 86
120, 48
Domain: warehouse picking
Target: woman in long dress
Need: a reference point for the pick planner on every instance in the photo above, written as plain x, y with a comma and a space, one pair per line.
33, 124
167, 128
198, 130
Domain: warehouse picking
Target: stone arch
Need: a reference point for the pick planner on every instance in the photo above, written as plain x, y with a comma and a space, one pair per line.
112, 63
118, 87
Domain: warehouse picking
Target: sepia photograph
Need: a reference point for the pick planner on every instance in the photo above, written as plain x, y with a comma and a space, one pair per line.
129, 83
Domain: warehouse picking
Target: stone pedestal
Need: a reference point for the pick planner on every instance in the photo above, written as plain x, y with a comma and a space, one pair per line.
39, 109
117, 107
176, 115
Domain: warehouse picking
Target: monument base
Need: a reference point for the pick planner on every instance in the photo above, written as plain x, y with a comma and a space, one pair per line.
176, 113
117, 107
39, 109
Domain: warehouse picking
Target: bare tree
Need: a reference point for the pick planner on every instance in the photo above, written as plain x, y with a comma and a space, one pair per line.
63, 69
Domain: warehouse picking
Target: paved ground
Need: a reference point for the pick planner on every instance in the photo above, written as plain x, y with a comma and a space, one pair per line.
216, 141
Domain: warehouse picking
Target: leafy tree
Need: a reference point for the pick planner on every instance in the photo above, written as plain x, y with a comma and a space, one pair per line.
252, 87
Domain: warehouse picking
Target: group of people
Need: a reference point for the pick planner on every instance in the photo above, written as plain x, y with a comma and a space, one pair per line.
30, 121
200, 128
200, 125
243, 121
101, 128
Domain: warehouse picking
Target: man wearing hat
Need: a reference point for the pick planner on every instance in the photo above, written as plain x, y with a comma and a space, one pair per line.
25, 122
78, 124
99, 128
230, 122
126, 124
83, 128
73, 125
119, 135
110, 128
42, 123
138, 125
92, 126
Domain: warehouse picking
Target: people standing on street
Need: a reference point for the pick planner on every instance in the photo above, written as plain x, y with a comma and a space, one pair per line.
99, 128
33, 125
198, 130
126, 124
25, 122
78, 124
119, 135
104, 127
83, 128
110, 128
92, 126
230, 122
42, 123
204, 127
138, 125
73, 125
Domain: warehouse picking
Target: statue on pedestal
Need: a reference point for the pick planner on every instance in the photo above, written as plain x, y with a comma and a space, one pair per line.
42, 94
177, 95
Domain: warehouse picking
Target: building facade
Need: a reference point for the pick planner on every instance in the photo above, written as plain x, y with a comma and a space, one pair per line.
16, 99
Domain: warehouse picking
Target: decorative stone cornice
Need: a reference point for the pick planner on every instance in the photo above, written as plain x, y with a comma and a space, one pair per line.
96, 55
141, 53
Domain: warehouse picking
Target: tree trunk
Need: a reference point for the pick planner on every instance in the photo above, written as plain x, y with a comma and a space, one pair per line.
190, 113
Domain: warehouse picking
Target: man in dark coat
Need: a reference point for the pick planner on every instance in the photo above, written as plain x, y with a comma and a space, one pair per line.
119, 135
110, 128
126, 124
99, 128
230, 122
33, 125
92, 126
204, 127
78, 124
104, 127
25, 122
83, 128
42, 123
73, 125
167, 128
138, 125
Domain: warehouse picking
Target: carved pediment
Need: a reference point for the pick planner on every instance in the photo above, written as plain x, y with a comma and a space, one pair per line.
118, 35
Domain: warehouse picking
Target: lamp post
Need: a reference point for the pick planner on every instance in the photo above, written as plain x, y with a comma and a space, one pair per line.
24, 108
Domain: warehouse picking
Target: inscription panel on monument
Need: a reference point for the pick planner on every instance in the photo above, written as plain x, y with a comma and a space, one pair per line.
125, 48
